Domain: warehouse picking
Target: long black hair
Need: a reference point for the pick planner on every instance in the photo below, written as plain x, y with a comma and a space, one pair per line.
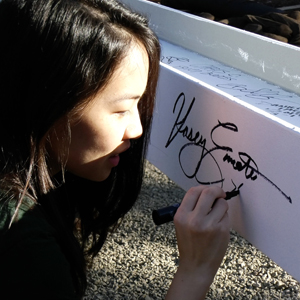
55, 55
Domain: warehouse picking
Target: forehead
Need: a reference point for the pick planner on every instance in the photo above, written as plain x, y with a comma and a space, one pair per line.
131, 75
135, 60
128, 81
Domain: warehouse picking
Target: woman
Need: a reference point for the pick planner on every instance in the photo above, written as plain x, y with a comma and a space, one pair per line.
78, 80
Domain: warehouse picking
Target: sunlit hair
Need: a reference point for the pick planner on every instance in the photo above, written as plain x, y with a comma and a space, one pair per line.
55, 55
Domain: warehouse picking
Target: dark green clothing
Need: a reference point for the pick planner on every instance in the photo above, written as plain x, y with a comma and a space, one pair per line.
32, 265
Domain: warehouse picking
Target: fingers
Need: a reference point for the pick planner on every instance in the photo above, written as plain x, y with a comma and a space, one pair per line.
202, 228
191, 198
201, 199
208, 198
203, 205
219, 210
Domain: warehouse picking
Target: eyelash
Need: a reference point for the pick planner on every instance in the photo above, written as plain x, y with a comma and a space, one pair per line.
123, 113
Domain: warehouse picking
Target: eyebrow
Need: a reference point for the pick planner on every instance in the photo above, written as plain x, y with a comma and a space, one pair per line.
126, 97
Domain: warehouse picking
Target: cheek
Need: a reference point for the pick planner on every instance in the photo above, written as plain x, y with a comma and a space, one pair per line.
85, 139
89, 139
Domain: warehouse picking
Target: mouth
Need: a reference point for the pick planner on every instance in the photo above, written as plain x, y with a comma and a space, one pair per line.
114, 160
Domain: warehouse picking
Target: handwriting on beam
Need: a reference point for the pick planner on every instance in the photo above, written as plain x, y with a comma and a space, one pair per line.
244, 163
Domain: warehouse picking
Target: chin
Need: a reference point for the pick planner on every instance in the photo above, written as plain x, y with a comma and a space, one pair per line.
93, 176
98, 177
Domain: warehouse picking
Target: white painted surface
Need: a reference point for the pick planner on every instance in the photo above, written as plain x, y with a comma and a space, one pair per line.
262, 57
223, 142
215, 123
247, 90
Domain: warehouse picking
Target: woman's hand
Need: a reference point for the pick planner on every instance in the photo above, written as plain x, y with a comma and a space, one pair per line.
202, 229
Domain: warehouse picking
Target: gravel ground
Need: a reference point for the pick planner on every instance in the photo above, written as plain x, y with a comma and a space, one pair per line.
140, 259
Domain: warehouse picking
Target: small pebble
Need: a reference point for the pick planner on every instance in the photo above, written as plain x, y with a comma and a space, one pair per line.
140, 264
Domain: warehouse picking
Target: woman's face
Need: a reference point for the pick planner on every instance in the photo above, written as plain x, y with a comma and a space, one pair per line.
110, 120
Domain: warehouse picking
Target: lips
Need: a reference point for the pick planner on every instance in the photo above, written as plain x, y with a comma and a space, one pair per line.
115, 158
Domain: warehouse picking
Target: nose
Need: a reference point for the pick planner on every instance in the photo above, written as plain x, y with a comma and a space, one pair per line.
134, 129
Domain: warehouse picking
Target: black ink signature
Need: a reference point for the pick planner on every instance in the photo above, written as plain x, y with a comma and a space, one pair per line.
234, 192
261, 94
289, 110
212, 71
196, 140
170, 59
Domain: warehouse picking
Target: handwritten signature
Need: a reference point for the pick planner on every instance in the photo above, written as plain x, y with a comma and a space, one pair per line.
171, 59
232, 76
261, 94
290, 110
245, 164
210, 70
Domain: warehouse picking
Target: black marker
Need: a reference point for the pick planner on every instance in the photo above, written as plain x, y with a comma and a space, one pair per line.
166, 214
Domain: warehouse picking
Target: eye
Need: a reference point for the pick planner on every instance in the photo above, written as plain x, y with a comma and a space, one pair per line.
123, 113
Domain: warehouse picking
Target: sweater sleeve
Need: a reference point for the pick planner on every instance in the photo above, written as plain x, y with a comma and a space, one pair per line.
32, 263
